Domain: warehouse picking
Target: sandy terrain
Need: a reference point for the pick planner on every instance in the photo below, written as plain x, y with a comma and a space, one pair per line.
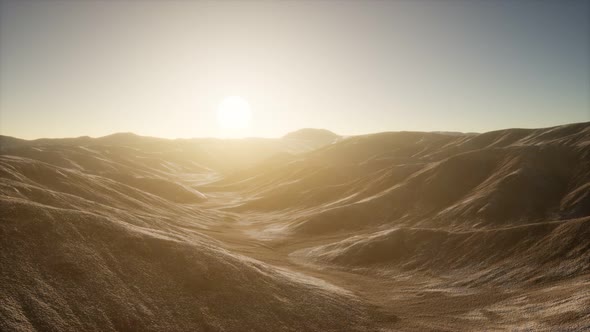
400, 231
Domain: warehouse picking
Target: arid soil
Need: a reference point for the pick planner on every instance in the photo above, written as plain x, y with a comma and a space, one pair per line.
396, 231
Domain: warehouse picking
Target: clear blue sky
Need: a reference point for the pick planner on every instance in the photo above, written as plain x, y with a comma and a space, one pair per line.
161, 68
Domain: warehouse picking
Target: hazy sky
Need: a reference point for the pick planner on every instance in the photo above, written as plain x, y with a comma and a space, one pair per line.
161, 68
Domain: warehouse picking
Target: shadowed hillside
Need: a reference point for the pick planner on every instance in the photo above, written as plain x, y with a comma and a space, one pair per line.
310, 232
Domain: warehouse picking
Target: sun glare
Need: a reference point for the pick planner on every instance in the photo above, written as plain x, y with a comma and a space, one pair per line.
234, 113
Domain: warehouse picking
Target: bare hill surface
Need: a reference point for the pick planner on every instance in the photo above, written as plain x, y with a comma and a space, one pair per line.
406, 231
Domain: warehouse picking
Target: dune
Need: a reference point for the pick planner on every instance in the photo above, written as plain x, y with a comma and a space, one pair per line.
407, 231
74, 270
528, 253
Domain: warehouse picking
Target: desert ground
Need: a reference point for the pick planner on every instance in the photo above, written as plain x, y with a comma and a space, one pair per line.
394, 231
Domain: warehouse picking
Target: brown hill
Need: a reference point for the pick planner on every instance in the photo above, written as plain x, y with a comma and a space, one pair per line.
391, 231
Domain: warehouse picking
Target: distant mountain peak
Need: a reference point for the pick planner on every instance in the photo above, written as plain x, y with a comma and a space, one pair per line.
311, 134
127, 138
120, 135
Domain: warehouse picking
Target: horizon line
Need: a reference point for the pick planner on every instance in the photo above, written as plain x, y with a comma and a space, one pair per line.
290, 132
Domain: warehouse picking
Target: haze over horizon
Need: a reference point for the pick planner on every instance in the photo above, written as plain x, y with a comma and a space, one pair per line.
314, 166
328, 131
162, 69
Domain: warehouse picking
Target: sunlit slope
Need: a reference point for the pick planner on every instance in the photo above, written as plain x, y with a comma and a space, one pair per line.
66, 269
534, 253
311, 232
106, 237
223, 155
494, 179
506, 206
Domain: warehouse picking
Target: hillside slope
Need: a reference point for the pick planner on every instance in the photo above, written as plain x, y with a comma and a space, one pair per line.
402, 231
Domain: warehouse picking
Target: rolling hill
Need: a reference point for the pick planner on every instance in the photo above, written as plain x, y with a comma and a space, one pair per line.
313, 231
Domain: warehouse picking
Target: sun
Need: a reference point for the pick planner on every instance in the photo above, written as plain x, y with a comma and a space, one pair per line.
234, 113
